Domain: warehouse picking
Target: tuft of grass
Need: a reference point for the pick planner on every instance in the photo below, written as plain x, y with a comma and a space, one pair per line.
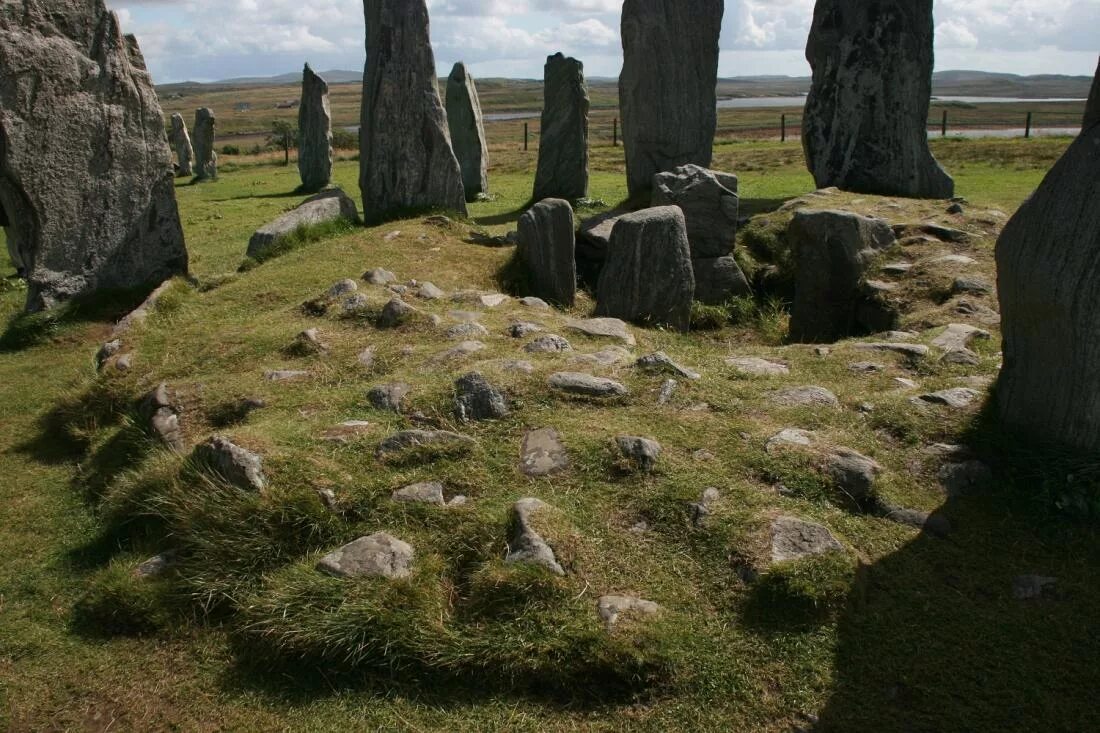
807, 591
118, 603
303, 236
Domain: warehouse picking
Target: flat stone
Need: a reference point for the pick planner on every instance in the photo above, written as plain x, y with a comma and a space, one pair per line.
753, 366
428, 492
285, 375
466, 331
794, 539
237, 466
549, 344
428, 291
611, 328
642, 453
587, 385
659, 362
347, 432
718, 280
958, 336
961, 357
431, 441
608, 356
388, 396
493, 300
327, 206
524, 329
913, 351
790, 438
542, 453
970, 286
477, 399
896, 268
612, 608
377, 555
527, 545
957, 397
805, 396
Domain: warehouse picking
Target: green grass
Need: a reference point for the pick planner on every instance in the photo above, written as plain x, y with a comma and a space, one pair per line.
923, 636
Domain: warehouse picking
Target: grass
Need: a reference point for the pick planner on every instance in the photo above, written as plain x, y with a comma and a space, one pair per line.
905, 632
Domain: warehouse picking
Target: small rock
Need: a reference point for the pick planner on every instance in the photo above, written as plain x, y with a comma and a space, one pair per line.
913, 351
853, 473
970, 286
396, 313
642, 453
493, 300
752, 366
668, 389
533, 302
711, 495
155, 566
377, 555
587, 385
524, 329
476, 399
788, 438
611, 608
161, 417
960, 260
604, 328
957, 397
428, 492
106, 351
805, 396
461, 351
388, 396
466, 331
431, 441
793, 539
378, 276
542, 453
957, 337
866, 367
659, 362
896, 268
961, 357
606, 357
366, 357
549, 344
346, 432
309, 342
527, 545
906, 383
1030, 587
428, 291
357, 304
235, 465
344, 287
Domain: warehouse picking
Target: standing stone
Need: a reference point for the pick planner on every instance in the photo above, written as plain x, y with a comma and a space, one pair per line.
1048, 275
668, 86
865, 125
314, 133
563, 140
832, 251
181, 141
710, 205
206, 159
1092, 108
467, 131
648, 276
547, 248
405, 155
86, 190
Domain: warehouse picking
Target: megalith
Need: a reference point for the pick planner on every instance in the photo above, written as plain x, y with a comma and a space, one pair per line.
405, 155
181, 141
314, 133
1048, 281
563, 139
865, 125
1092, 108
547, 248
668, 85
86, 179
467, 131
206, 158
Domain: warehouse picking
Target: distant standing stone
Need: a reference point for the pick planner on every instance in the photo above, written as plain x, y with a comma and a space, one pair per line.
314, 133
378, 555
405, 160
206, 158
547, 248
563, 143
181, 141
667, 89
648, 276
866, 117
467, 131
542, 453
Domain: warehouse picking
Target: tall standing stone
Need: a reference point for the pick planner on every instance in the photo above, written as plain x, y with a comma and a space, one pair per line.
1048, 273
563, 142
206, 158
181, 141
668, 86
865, 126
86, 181
405, 160
467, 131
314, 133
1092, 108
547, 247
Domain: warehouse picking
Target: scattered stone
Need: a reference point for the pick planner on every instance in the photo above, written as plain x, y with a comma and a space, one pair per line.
366, 357
397, 313
493, 300
356, 305
428, 291
563, 144
346, 432
608, 356
106, 351
932, 523
181, 141
612, 328
957, 337
718, 280
429, 492
913, 351
896, 268
753, 366
476, 399
960, 260
342, 288
377, 555
710, 203
314, 133
285, 375
535, 303
642, 453
161, 417
549, 344
431, 441
527, 545
309, 343
794, 539
461, 351
206, 159
970, 286
524, 329
668, 389
611, 608
961, 357
660, 362
587, 385
542, 453
959, 479
789, 438
805, 396
466, 331
595, 234
235, 465
853, 473
1030, 587
547, 248
945, 234
379, 276
957, 397
866, 367
467, 128
514, 365
906, 383
388, 397
156, 566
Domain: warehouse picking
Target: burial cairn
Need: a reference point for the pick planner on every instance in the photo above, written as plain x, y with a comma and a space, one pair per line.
467, 131
314, 133
181, 141
563, 144
206, 158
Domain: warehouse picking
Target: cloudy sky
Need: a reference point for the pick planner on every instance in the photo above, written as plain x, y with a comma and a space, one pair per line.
204, 40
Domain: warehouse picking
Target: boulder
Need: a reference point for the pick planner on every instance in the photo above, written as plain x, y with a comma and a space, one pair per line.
477, 399
542, 453
864, 128
648, 277
563, 143
332, 205
710, 205
87, 197
526, 544
181, 140
611, 328
377, 555
833, 251
230, 462
206, 158
547, 249
405, 159
467, 129
314, 133
718, 280
667, 89
1092, 107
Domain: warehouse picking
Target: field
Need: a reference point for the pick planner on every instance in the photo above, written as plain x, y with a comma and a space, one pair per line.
907, 632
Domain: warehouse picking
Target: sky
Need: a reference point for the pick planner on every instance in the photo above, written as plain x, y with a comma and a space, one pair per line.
205, 40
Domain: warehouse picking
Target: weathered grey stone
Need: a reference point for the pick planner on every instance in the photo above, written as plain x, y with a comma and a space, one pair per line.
833, 251
326, 206
794, 539
523, 329
156, 566
957, 397
659, 362
547, 249
161, 418
397, 313
533, 302
718, 280
563, 143
550, 344
971, 286
467, 131
642, 453
612, 328
436, 442
206, 157
346, 432
934, 524
314, 133
754, 366
961, 357
1092, 107
366, 357
428, 492
587, 385
648, 275
542, 453
710, 204
180, 140
790, 438
87, 199
526, 544
668, 389
667, 89
379, 276
466, 331
611, 608
285, 375
377, 555
388, 396
237, 466
342, 288
429, 291
853, 473
865, 124
405, 159
608, 356
913, 351
476, 399
957, 337
805, 396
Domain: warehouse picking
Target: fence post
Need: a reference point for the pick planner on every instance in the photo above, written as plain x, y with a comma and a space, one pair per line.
1027, 129
943, 125
783, 128
615, 133
525, 136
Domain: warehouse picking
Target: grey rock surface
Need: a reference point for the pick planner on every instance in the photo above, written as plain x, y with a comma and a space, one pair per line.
719, 279
181, 142
958, 336
467, 330
547, 248
314, 133
710, 204
563, 144
405, 159
864, 128
659, 362
526, 545
853, 473
542, 453
612, 328
641, 453
549, 344
429, 441
388, 397
236, 465
477, 399
648, 277
805, 396
428, 492
332, 205
377, 555
612, 608
667, 88
794, 539
206, 157
161, 417
956, 397
755, 366
608, 356
467, 128
586, 385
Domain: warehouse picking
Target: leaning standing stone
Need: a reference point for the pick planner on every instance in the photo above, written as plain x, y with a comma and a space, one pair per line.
563, 144
667, 89
314, 133
206, 159
547, 247
866, 118
648, 275
467, 131
405, 157
181, 141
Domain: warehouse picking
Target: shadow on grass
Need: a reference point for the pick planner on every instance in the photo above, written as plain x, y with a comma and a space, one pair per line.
504, 218
107, 306
755, 207
278, 195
